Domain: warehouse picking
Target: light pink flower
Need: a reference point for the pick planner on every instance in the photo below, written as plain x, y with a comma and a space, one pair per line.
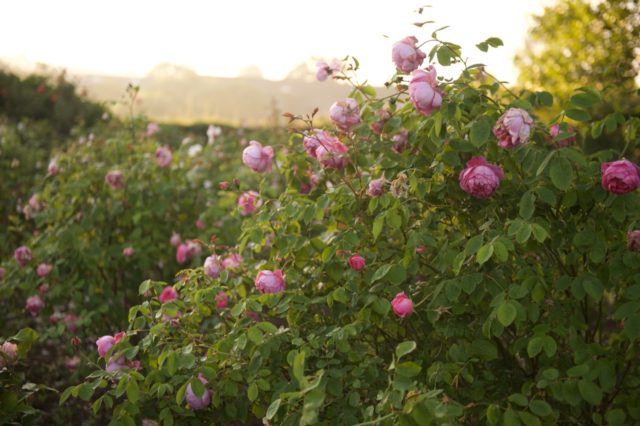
34, 202
193, 249
249, 202
212, 133
376, 187
200, 224
164, 156
116, 364
34, 305
345, 114
168, 294
424, 92
620, 177
115, 179
402, 305
480, 178
357, 262
182, 253
195, 402
23, 255
72, 362
213, 266
44, 269
555, 130
270, 281
406, 55
53, 168
222, 300
152, 129
257, 157
175, 239
513, 128
104, 344
128, 252
317, 138
633, 240
8, 354
233, 261
324, 70
332, 154
400, 141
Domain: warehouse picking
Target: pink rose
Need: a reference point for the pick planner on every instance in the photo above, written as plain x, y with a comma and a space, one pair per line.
357, 262
193, 249
345, 114
200, 224
401, 141
195, 402
406, 55
128, 252
104, 344
212, 133
34, 202
316, 138
115, 179
620, 176
249, 202
164, 156
116, 364
119, 336
402, 305
332, 154
213, 266
182, 253
324, 70
72, 363
424, 92
44, 269
376, 187
555, 130
53, 168
222, 300
480, 178
175, 239
8, 354
633, 240
34, 305
257, 157
270, 281
168, 294
152, 129
233, 261
43, 289
513, 128
23, 255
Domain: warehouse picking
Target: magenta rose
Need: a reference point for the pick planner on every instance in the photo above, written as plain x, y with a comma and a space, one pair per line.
168, 294
34, 305
620, 176
128, 252
104, 344
633, 240
357, 262
44, 269
23, 255
480, 178
345, 114
555, 130
270, 281
249, 202
376, 187
424, 92
182, 253
115, 179
257, 157
222, 300
213, 266
406, 55
402, 305
195, 402
513, 128
164, 156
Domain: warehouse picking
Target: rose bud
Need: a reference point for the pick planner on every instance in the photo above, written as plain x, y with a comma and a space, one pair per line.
357, 262
182, 253
44, 269
23, 255
345, 114
270, 281
257, 157
53, 168
480, 179
164, 156
128, 252
8, 354
424, 92
249, 202
70, 322
402, 305
168, 294
633, 240
406, 55
620, 177
513, 128
104, 344
115, 179
222, 300
34, 305
195, 402
376, 187
152, 129
555, 130
401, 141
213, 266
224, 185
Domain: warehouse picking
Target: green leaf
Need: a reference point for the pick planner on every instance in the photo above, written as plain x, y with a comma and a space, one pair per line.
545, 162
534, 347
404, 348
480, 132
255, 335
397, 274
252, 392
380, 273
545, 98
577, 114
133, 392
378, 223
408, 369
298, 369
539, 233
540, 408
616, 417
590, 392
444, 55
519, 399
273, 409
550, 346
593, 288
511, 418
527, 205
584, 100
561, 173
507, 313
484, 254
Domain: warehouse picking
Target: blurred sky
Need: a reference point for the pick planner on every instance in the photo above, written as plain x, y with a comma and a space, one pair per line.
221, 38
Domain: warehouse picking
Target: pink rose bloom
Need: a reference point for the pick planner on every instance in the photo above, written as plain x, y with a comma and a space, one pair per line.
633, 240
23, 255
480, 179
182, 253
332, 154
400, 141
376, 187
168, 294
555, 131
232, 261
53, 168
213, 266
44, 269
164, 156
43, 289
72, 363
406, 55
357, 262
175, 239
193, 249
324, 70
34, 202
119, 336
2, 273
222, 300
620, 176
317, 138
194, 402
8, 354
104, 344
212, 133
345, 114
115, 364
424, 92
128, 252
402, 305
115, 179
200, 224
257, 157
513, 128
270, 281
152, 129
249, 202
34, 305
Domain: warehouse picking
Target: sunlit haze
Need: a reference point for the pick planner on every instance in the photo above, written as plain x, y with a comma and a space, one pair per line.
224, 38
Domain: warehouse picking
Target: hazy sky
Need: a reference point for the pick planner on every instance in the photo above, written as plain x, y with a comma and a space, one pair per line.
221, 38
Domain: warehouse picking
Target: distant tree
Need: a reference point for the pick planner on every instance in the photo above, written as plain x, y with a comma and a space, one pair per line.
252, 71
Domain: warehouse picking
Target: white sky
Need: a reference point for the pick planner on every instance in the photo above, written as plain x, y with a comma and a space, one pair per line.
222, 37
